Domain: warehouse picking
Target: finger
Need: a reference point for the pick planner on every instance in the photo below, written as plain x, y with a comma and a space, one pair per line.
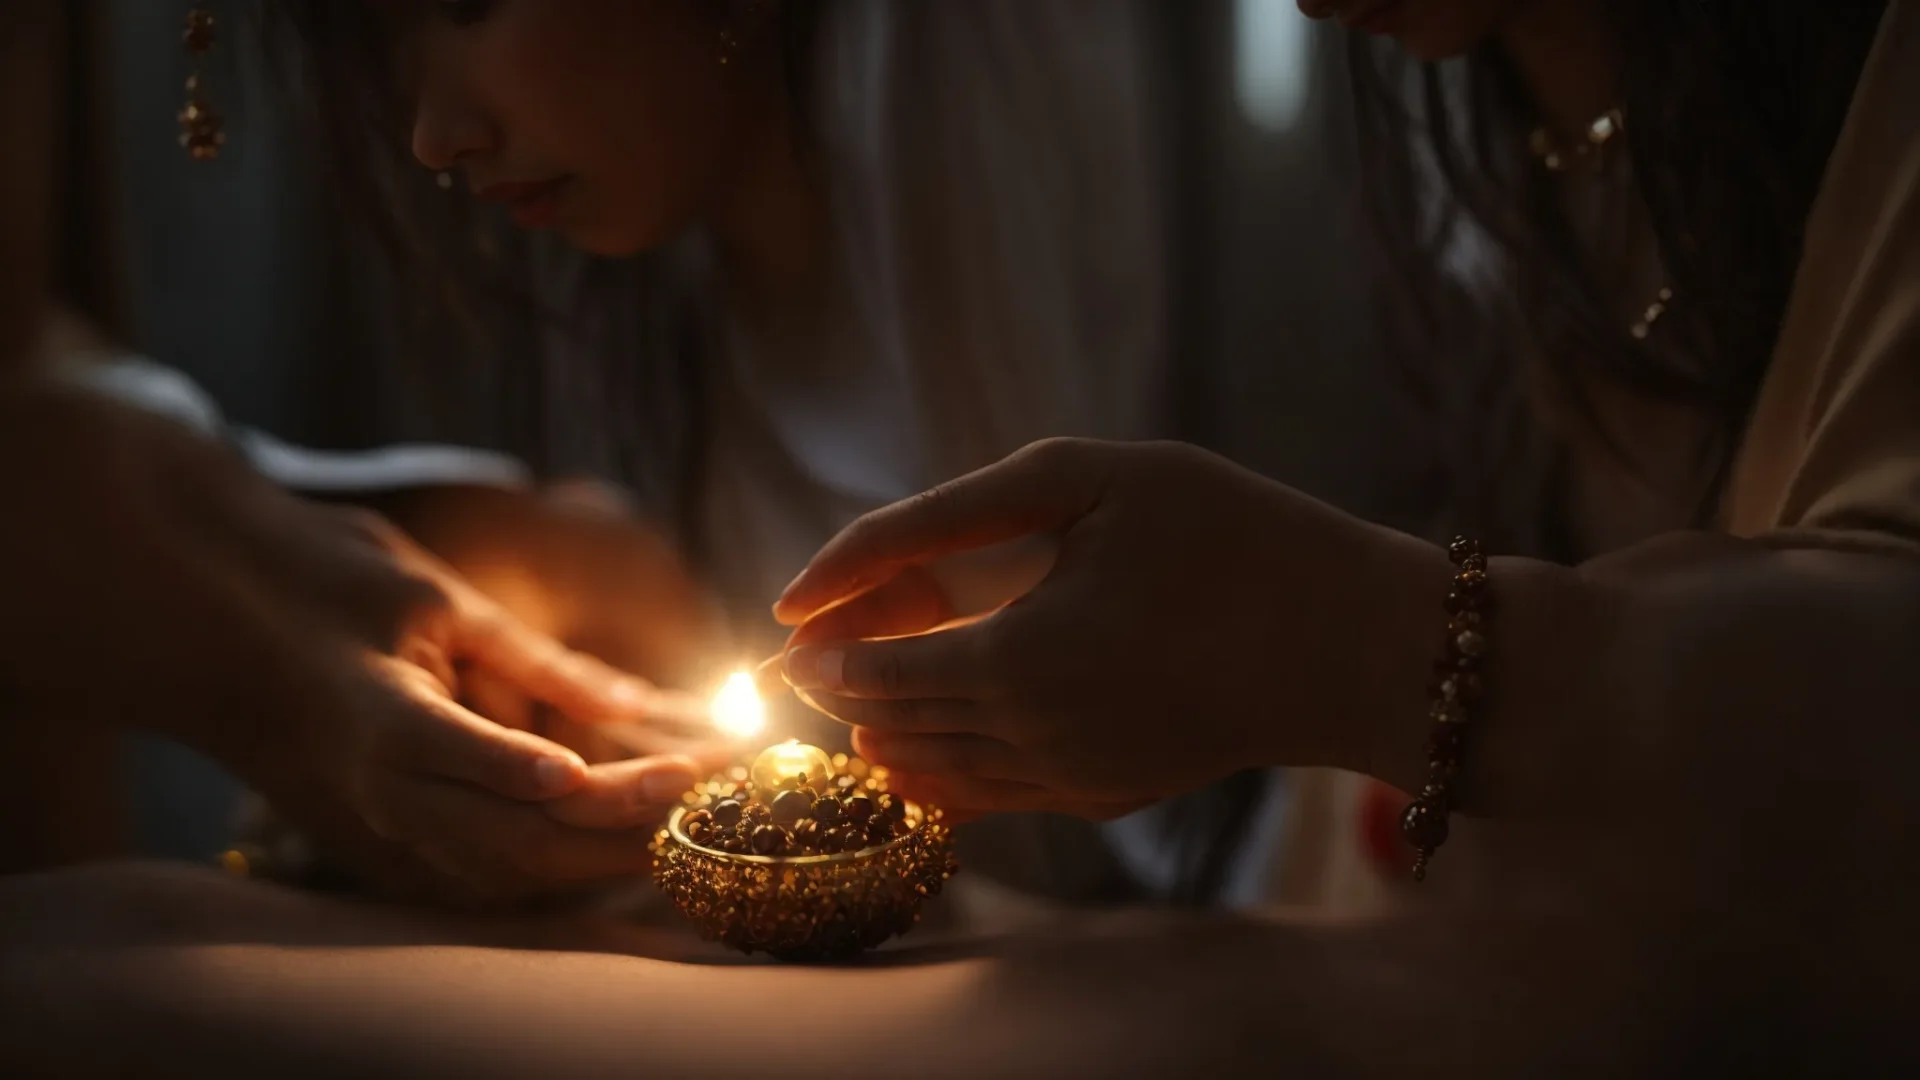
486, 693
911, 716
441, 738
627, 794
949, 664
942, 755
428, 655
967, 797
582, 688
505, 848
660, 705
647, 740
593, 742
912, 602
1044, 487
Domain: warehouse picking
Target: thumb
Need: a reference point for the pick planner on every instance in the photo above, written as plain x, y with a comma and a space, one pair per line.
1045, 487
439, 737
627, 794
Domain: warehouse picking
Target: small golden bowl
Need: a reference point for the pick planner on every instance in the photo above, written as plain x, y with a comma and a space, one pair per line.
807, 907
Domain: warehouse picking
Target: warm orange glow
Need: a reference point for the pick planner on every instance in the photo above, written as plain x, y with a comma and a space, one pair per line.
778, 764
737, 708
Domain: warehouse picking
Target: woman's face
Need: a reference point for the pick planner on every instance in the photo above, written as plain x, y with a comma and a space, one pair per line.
1429, 29
613, 122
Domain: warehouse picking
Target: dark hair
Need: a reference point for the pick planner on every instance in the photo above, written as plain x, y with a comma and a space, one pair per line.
88, 273
468, 292
24, 77
1732, 108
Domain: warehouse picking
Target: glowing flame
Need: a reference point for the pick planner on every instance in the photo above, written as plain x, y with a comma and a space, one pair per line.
777, 765
737, 708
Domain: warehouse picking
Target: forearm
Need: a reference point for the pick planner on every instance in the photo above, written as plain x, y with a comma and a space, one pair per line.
1686, 666
155, 584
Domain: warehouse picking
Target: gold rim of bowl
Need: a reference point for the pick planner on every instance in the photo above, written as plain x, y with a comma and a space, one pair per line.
915, 814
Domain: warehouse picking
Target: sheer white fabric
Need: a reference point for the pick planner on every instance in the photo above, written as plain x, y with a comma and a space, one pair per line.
998, 272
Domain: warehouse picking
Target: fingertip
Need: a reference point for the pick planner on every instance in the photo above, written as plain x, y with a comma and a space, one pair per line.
555, 775
627, 794
785, 611
812, 667
805, 598
668, 776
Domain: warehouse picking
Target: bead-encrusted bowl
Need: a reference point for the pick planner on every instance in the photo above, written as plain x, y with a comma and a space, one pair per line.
804, 907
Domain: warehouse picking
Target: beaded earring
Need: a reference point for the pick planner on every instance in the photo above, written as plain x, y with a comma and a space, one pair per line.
202, 131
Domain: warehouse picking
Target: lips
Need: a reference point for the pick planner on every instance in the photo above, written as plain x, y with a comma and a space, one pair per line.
532, 204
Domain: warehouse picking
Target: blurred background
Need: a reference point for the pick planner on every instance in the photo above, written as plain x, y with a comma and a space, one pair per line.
241, 280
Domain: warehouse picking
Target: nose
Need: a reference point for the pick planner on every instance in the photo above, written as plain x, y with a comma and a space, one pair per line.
447, 130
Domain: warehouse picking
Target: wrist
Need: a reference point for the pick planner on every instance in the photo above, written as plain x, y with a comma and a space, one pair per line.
1401, 621
1530, 737
1362, 628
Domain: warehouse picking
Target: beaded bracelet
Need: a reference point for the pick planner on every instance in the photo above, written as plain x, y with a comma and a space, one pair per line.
1457, 687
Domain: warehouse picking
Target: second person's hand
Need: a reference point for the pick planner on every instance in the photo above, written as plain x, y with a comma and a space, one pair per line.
1199, 620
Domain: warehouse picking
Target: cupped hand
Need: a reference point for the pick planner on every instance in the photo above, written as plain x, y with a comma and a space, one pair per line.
1199, 620
421, 796
572, 567
502, 812
160, 585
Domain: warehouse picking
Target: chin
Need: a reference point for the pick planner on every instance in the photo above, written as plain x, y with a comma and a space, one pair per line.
1430, 52
601, 243
611, 241
1431, 47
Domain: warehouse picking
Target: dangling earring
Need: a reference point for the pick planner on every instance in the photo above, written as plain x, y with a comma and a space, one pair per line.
734, 36
202, 133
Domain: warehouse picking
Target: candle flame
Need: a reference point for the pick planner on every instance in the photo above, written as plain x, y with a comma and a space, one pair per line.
737, 708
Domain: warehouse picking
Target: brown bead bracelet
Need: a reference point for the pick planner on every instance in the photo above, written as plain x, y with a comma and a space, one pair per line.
1457, 687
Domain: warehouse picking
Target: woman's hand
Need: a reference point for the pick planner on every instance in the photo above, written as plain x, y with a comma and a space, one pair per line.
1199, 620
157, 584
495, 812
574, 568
